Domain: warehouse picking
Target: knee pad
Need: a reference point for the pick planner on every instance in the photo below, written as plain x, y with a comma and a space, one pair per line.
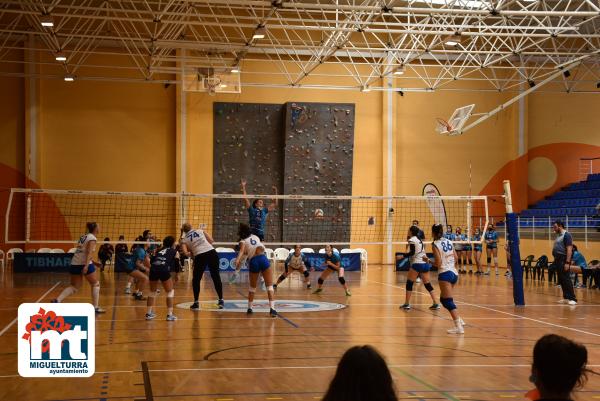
252, 289
270, 288
306, 273
409, 285
282, 277
342, 280
320, 281
429, 287
489, 259
171, 293
448, 303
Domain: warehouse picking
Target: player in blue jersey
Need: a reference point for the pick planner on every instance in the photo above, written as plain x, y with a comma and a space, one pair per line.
162, 262
491, 248
477, 248
257, 212
459, 247
333, 263
449, 234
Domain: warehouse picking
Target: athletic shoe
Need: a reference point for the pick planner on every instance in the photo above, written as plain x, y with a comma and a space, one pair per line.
456, 330
221, 304
405, 306
274, 287
318, 291
563, 301
158, 290
435, 307
308, 286
150, 316
497, 272
571, 302
171, 318
100, 310
195, 306
418, 280
487, 273
54, 301
348, 293
127, 290
579, 286
273, 312
470, 271
249, 311
462, 322
139, 297
233, 277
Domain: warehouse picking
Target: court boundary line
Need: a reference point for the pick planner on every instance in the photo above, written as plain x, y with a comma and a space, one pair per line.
9, 325
502, 312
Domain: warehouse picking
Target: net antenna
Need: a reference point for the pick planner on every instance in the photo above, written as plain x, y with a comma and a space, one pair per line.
453, 126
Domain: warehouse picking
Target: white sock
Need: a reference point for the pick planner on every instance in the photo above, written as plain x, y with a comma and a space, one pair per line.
271, 304
70, 290
458, 323
128, 284
150, 309
249, 304
170, 310
95, 295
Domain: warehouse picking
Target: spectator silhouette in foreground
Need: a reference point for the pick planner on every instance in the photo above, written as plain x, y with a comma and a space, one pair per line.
559, 367
361, 375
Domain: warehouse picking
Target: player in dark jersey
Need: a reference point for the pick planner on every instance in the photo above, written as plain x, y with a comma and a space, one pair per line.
161, 263
333, 263
257, 212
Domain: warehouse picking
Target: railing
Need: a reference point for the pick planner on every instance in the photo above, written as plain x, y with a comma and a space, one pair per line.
588, 165
584, 229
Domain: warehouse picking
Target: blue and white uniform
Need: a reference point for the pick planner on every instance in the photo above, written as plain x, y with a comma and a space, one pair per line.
296, 262
257, 219
491, 236
258, 263
447, 270
418, 255
449, 235
476, 238
79, 258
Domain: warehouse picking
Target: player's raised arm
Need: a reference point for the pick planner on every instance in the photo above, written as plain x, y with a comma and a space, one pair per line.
246, 200
273, 203
208, 237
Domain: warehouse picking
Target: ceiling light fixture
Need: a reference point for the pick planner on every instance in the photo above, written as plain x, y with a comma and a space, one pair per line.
69, 78
399, 70
60, 56
365, 89
260, 32
47, 21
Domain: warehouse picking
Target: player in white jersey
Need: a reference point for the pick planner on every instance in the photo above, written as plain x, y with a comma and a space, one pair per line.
82, 265
295, 262
419, 265
198, 243
445, 260
258, 264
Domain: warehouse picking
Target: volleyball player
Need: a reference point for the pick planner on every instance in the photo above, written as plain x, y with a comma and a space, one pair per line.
477, 248
136, 268
198, 243
82, 265
332, 263
449, 235
257, 212
444, 259
459, 248
161, 264
295, 262
258, 264
419, 265
491, 248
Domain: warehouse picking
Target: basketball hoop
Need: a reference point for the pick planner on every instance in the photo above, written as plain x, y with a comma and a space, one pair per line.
442, 126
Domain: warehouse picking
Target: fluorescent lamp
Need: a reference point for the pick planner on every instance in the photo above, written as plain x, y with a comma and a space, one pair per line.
399, 70
451, 43
47, 21
260, 32
69, 78
235, 70
60, 56
365, 89
223, 86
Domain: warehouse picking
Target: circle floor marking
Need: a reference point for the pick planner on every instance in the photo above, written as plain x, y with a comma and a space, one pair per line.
262, 305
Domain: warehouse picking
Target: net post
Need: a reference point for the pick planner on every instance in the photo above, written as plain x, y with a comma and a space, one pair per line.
28, 219
7, 216
512, 238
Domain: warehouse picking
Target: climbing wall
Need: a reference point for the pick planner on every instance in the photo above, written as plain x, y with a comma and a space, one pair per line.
319, 145
248, 142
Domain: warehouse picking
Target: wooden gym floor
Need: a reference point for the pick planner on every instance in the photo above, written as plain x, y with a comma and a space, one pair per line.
217, 356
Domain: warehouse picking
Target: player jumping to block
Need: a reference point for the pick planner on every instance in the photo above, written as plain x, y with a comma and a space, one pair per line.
445, 260
161, 264
257, 212
295, 262
258, 264
198, 243
419, 265
332, 263
82, 265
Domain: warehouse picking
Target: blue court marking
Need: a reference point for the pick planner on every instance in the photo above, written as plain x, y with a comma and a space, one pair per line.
285, 319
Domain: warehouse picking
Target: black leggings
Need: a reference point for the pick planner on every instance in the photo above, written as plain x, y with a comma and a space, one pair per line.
208, 259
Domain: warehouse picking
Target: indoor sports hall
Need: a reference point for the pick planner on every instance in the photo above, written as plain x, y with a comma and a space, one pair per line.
299, 200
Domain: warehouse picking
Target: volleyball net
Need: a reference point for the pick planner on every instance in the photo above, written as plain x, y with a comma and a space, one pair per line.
59, 216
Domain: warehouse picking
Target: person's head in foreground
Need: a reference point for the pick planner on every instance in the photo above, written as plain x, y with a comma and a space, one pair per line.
559, 367
361, 375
